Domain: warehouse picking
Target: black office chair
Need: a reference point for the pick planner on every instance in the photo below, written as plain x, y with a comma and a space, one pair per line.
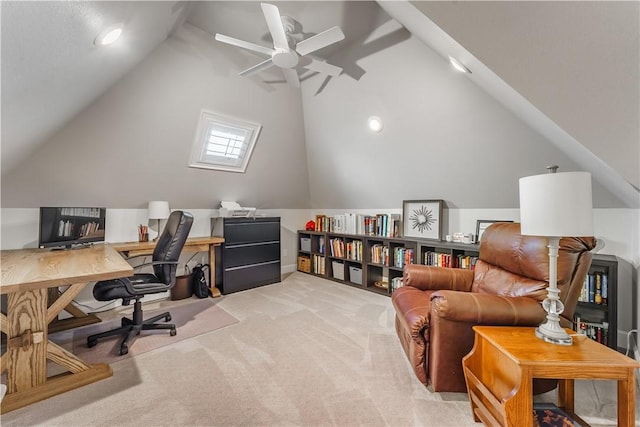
165, 263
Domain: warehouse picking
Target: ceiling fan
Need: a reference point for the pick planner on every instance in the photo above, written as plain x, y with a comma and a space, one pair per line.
282, 55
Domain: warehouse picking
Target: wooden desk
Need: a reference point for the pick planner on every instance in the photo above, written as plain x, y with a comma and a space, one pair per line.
500, 368
27, 275
193, 244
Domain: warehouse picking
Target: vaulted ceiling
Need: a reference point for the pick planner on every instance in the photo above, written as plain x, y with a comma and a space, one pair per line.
576, 64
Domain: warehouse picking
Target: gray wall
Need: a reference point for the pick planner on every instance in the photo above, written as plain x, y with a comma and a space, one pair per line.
578, 62
133, 144
443, 137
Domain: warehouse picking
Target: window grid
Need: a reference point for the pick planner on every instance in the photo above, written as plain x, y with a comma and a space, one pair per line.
229, 146
223, 143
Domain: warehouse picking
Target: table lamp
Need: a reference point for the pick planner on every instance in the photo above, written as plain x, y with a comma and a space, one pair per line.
158, 210
555, 205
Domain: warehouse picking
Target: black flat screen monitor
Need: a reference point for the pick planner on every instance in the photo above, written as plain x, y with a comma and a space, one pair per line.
71, 227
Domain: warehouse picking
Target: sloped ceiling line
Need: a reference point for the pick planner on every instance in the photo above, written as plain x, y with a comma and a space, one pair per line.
433, 36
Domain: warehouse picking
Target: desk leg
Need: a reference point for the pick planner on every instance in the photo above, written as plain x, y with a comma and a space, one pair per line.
28, 349
215, 292
80, 318
627, 400
26, 340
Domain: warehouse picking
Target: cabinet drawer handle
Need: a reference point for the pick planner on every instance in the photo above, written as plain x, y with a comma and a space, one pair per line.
252, 265
246, 245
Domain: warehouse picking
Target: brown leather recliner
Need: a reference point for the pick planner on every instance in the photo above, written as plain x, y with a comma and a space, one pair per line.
436, 307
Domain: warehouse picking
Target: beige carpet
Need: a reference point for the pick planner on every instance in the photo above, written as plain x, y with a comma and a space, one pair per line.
193, 317
305, 352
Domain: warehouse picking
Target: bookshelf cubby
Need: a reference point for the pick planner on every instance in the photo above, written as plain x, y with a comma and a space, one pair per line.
596, 314
374, 263
369, 261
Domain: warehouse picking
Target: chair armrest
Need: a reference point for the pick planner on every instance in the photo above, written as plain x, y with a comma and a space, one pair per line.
487, 309
147, 264
126, 282
425, 278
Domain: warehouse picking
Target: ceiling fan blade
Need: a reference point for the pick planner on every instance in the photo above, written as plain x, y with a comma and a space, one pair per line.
243, 44
292, 77
257, 68
325, 38
323, 67
274, 22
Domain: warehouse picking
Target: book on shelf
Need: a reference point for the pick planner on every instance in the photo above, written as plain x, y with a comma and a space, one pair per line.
337, 247
380, 254
441, 259
403, 256
597, 331
437, 259
467, 262
318, 264
383, 225
354, 250
595, 288
396, 283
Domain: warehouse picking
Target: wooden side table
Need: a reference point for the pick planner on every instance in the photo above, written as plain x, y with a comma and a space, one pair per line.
500, 369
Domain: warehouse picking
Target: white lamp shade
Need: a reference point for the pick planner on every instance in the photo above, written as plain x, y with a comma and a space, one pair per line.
556, 205
158, 210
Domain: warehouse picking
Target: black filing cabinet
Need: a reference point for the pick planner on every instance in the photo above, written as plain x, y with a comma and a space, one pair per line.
251, 253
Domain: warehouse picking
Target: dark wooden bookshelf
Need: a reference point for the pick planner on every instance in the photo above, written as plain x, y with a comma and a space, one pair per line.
378, 276
599, 319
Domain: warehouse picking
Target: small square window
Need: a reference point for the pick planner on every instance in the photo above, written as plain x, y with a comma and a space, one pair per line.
223, 143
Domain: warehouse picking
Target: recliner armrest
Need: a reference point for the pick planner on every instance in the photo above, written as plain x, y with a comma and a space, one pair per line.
487, 309
425, 277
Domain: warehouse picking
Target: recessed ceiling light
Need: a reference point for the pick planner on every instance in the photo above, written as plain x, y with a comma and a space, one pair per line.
458, 65
375, 124
109, 35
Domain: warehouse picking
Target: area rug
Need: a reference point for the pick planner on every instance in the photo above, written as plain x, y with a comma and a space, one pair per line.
191, 319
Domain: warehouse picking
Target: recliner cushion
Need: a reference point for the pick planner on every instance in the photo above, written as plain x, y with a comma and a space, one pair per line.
511, 264
494, 280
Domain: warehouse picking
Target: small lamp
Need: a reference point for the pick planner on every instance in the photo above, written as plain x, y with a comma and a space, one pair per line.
158, 210
554, 205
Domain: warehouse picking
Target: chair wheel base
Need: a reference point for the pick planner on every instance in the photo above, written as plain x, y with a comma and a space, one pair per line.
172, 332
91, 343
124, 349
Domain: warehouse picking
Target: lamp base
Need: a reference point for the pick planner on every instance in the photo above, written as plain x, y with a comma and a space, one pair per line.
157, 235
553, 337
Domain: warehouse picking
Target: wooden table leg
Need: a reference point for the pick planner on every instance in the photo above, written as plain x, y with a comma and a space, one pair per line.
28, 348
79, 317
26, 340
215, 292
626, 400
566, 394
519, 408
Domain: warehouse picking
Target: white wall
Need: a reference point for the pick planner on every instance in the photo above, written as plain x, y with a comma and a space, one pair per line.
619, 228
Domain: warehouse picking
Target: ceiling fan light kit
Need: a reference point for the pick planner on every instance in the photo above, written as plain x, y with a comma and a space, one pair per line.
282, 55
